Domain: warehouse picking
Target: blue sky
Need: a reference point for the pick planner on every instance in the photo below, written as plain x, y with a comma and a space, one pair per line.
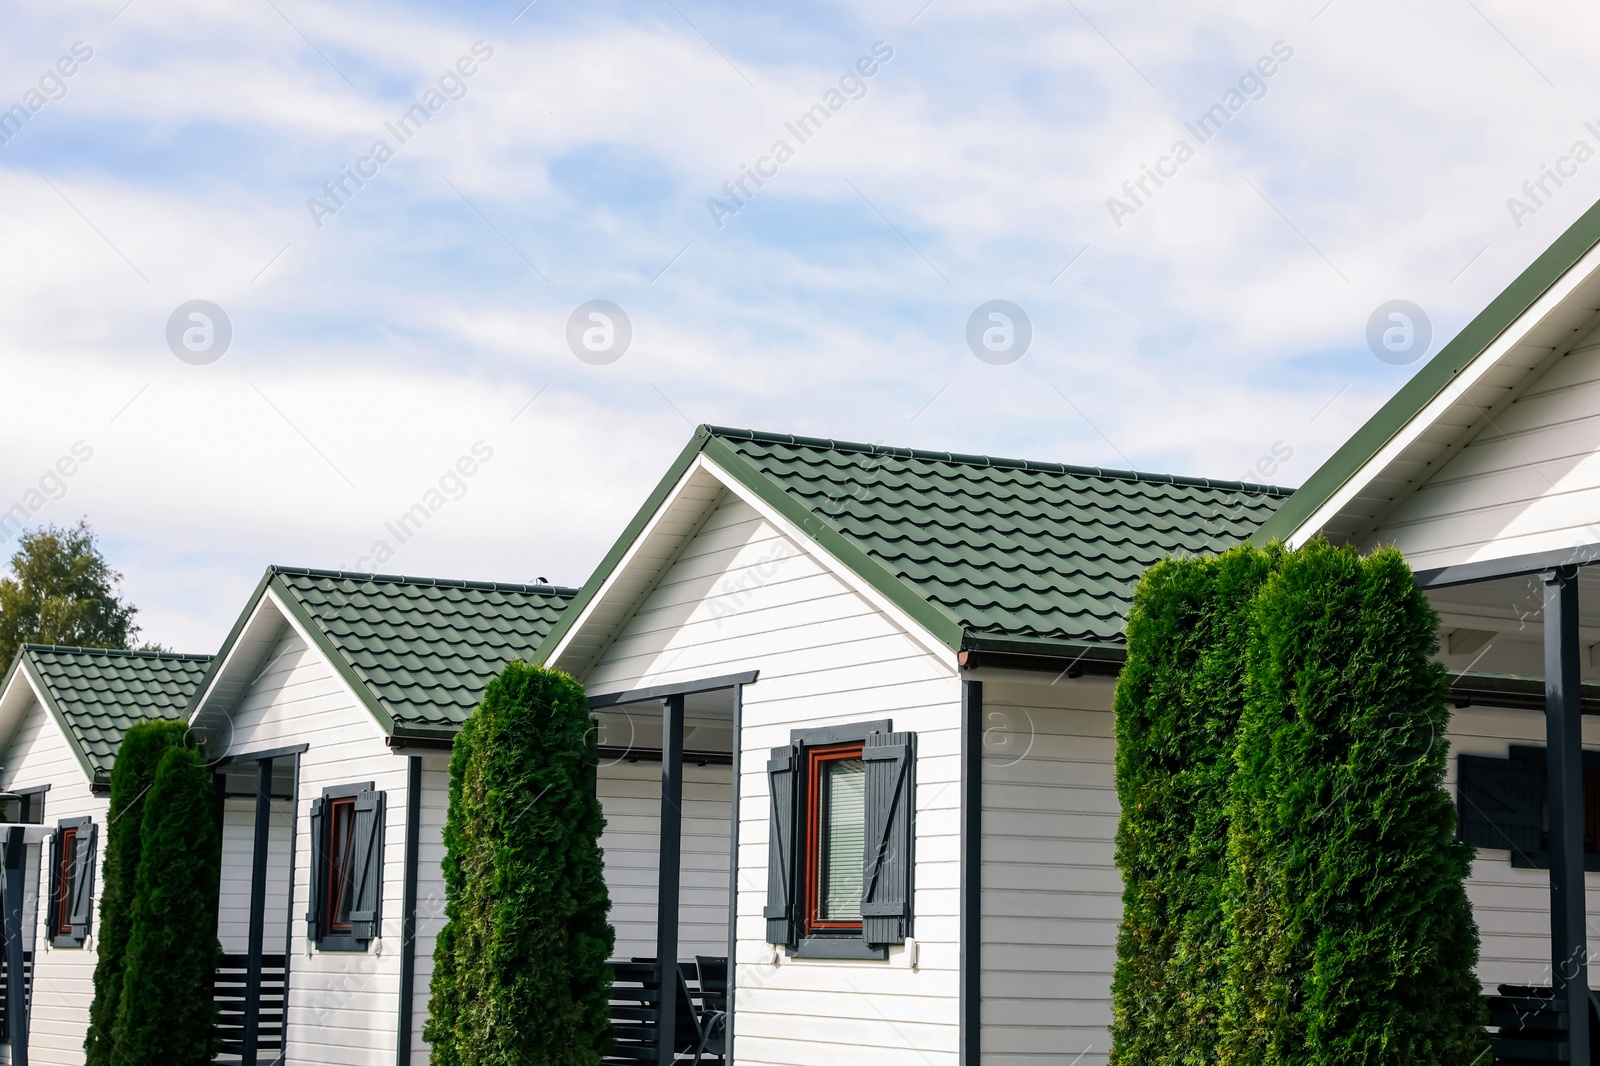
1222, 319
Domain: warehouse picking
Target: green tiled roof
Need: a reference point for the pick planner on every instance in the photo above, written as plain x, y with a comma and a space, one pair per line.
999, 554
98, 693
422, 649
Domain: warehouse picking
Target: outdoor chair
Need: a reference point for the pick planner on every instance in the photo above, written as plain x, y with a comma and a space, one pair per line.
640, 1026
712, 971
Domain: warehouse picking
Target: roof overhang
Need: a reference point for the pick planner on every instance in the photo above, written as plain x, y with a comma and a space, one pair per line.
245, 656
1546, 312
668, 522
23, 688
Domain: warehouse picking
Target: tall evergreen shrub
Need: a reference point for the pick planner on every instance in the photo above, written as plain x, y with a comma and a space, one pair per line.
1351, 940
166, 1015
135, 771
1178, 704
519, 973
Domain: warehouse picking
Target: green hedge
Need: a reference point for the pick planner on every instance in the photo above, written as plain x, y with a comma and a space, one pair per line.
1178, 704
1293, 885
166, 1014
1351, 937
134, 773
519, 973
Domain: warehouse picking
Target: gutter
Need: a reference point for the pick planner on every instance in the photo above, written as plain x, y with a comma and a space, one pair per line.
1072, 659
408, 910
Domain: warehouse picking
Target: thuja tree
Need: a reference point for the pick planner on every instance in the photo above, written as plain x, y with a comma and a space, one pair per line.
520, 975
166, 1014
131, 778
1351, 939
1178, 703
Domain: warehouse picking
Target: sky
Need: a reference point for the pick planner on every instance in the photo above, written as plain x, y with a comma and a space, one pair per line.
431, 314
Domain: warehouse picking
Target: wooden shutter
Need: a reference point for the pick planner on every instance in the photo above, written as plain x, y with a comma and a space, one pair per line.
886, 878
319, 868
782, 772
1501, 802
52, 907
366, 876
81, 906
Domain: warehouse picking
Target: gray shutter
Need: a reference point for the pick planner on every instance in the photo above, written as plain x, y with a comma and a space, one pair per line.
81, 906
1501, 802
366, 886
781, 850
319, 867
56, 887
886, 880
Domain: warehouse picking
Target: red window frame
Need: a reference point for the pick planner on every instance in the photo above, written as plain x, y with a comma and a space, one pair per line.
815, 760
63, 900
341, 863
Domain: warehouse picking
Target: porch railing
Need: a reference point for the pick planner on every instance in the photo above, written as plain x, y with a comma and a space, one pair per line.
635, 1014
5, 987
229, 989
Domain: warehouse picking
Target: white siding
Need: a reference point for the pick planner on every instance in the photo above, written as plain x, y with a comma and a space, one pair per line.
1052, 894
630, 795
342, 1005
743, 596
430, 889
63, 981
1513, 906
238, 857
1528, 483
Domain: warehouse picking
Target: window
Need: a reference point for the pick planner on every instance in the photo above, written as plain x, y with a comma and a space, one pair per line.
347, 867
70, 906
836, 839
840, 840
1502, 805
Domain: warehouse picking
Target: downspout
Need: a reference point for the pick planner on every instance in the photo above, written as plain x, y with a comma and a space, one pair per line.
16, 850
733, 871
971, 964
408, 910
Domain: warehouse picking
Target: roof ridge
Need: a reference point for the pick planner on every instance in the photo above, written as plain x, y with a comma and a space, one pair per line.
997, 462
401, 579
136, 653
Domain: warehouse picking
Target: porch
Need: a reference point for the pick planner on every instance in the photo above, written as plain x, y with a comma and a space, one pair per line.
1524, 633
668, 763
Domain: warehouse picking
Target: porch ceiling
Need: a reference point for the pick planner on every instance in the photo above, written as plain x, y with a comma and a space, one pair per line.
1496, 628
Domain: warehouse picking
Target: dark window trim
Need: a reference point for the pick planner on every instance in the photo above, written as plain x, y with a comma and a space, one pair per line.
29, 815
812, 870
330, 939
61, 880
63, 887
839, 943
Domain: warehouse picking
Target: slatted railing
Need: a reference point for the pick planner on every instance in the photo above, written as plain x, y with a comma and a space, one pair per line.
229, 989
5, 986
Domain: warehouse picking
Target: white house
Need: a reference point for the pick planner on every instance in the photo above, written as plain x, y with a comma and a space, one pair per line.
1484, 469
63, 713
329, 711
913, 655
855, 719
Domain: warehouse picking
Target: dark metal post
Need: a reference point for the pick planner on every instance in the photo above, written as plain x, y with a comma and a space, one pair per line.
258, 914
16, 851
733, 870
1564, 736
667, 884
970, 996
408, 910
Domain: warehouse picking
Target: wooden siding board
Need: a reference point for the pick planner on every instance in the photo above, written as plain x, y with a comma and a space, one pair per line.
741, 595
41, 754
342, 1005
1529, 482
